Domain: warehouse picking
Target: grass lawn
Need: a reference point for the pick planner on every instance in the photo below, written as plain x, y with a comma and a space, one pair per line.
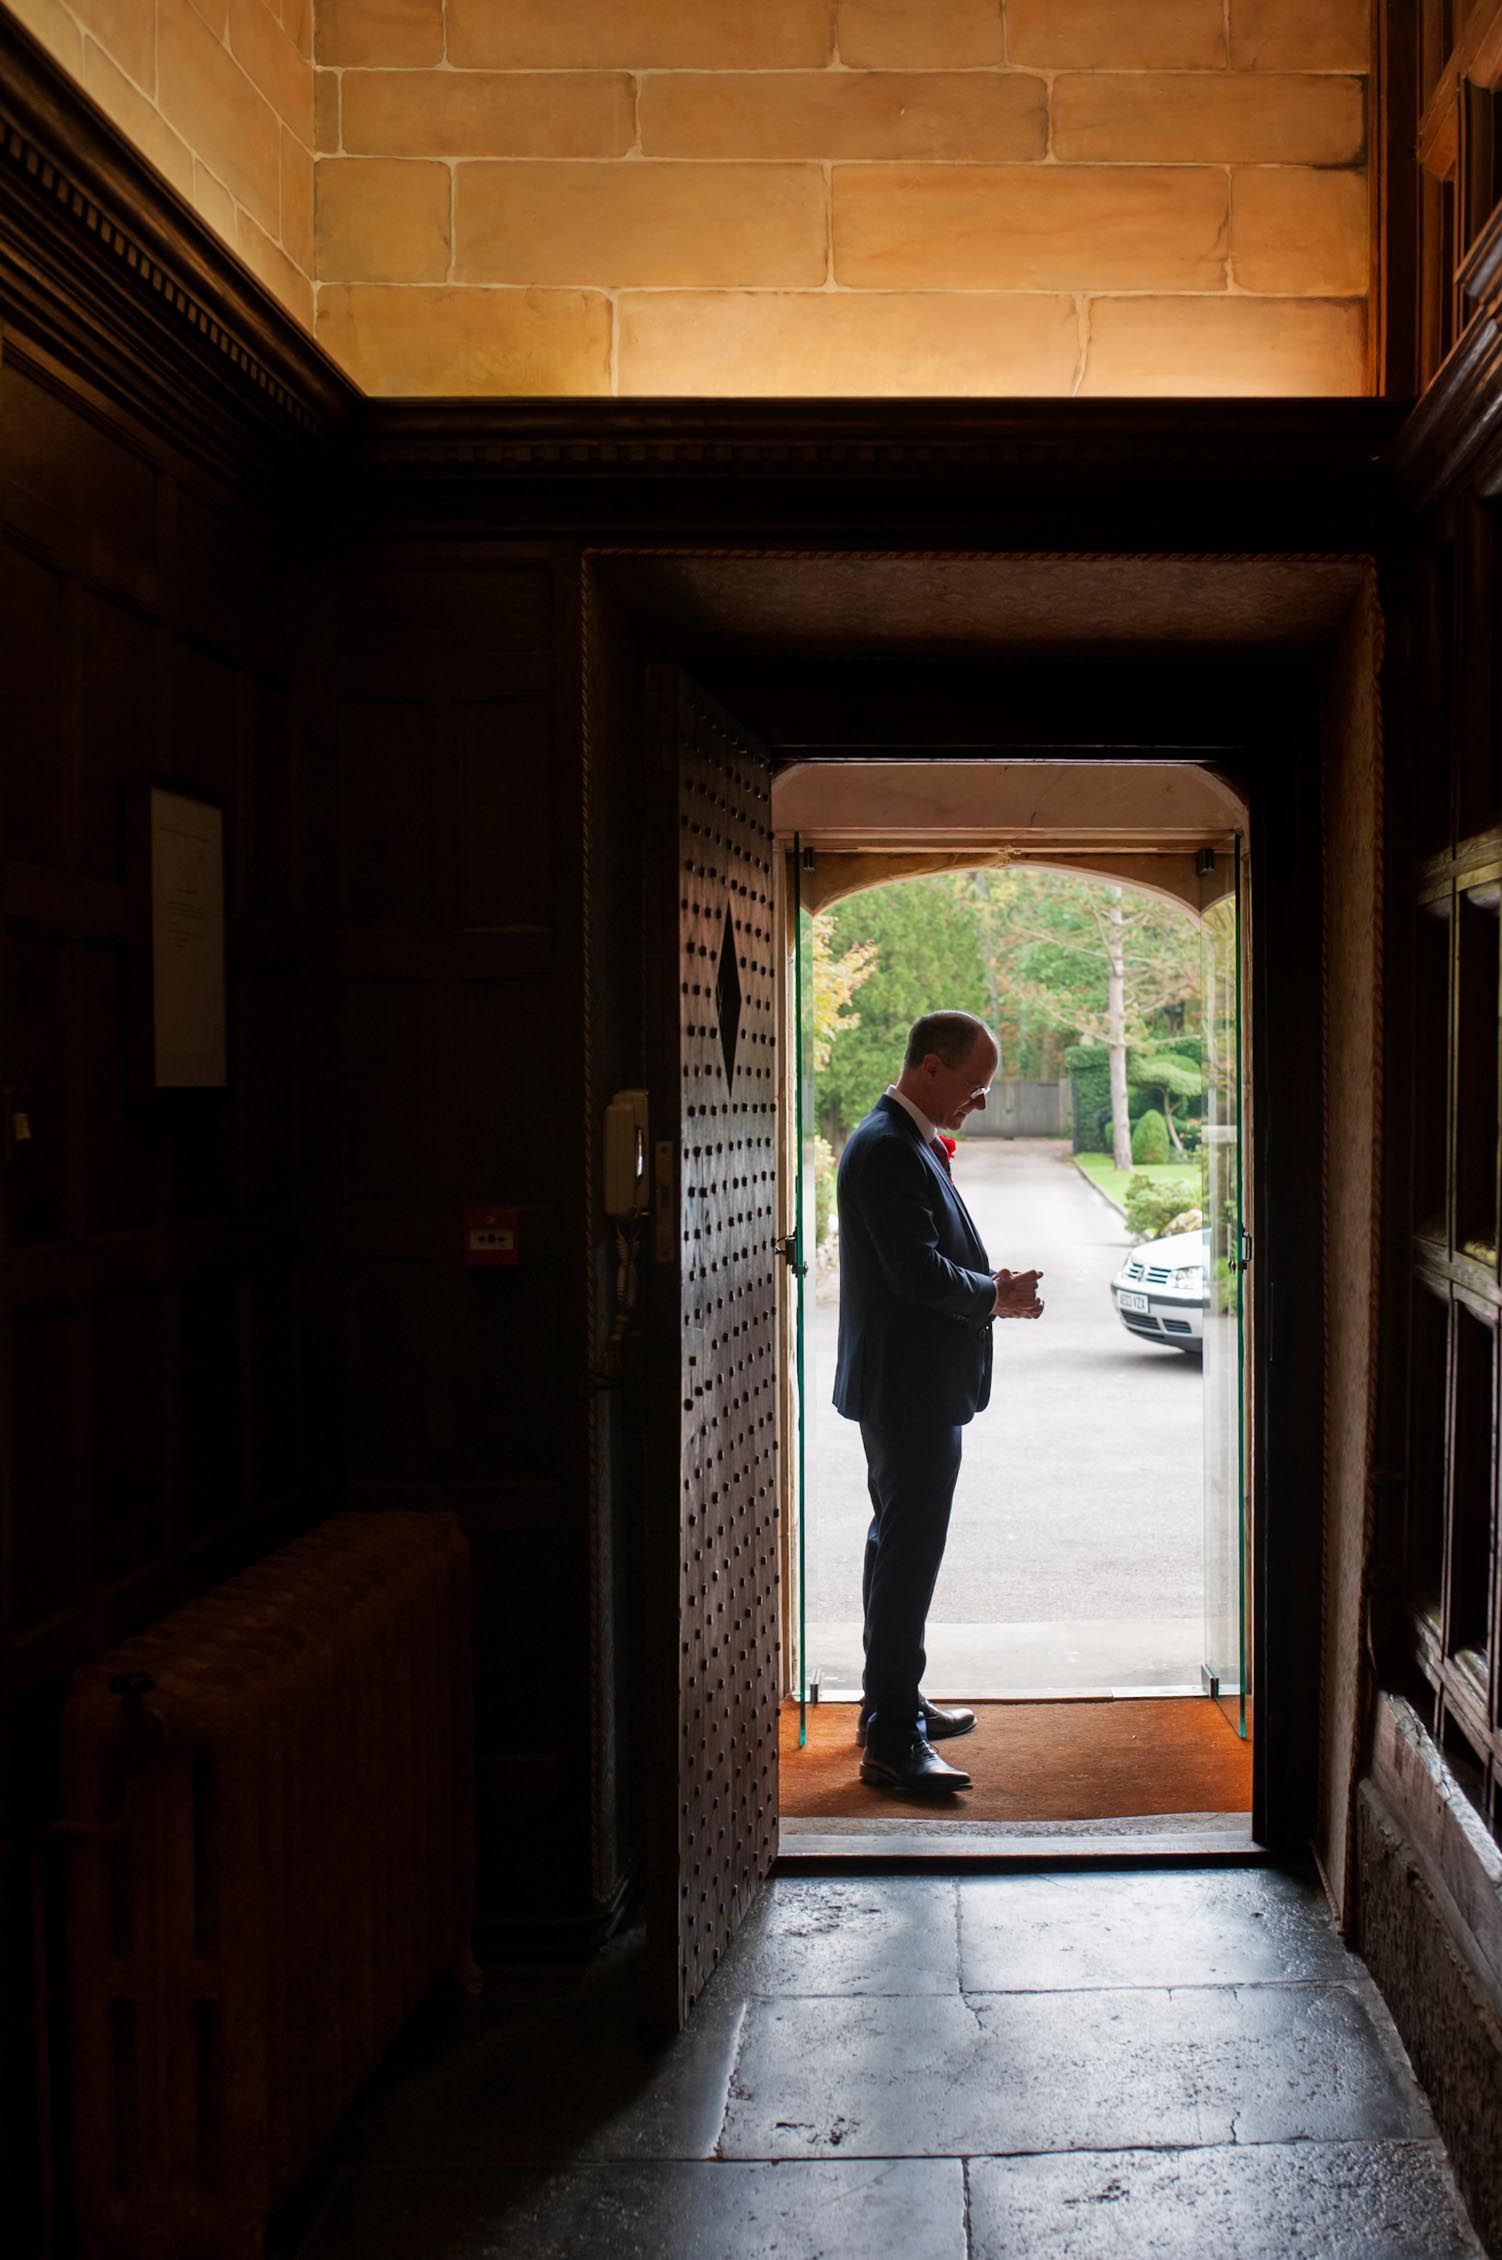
1113, 1182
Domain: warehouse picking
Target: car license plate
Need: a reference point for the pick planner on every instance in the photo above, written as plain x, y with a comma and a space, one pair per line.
1129, 1301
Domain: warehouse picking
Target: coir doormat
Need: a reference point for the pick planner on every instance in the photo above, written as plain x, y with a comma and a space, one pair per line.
1038, 1762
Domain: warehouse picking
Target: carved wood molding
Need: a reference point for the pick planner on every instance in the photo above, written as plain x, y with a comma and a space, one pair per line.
1453, 438
626, 440
1439, 128
1481, 50
103, 262
1481, 271
1477, 58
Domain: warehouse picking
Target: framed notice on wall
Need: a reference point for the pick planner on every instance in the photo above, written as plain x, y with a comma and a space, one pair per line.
187, 942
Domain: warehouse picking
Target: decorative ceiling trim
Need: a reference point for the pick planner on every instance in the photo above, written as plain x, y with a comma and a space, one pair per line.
854, 438
102, 256
102, 263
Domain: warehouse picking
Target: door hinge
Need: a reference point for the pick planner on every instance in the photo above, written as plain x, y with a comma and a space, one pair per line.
787, 1248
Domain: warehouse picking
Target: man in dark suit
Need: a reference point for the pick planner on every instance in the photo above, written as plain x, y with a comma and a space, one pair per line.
917, 1298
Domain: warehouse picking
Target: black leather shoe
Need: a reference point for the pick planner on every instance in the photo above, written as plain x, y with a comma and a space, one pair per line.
914, 1765
938, 1725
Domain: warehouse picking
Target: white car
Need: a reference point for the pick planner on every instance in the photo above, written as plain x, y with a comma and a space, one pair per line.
1160, 1292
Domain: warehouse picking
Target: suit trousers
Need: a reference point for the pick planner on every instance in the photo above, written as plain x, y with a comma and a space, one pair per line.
911, 1470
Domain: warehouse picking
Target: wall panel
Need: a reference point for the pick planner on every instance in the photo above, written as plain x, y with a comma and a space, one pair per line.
94, 483
453, 999
152, 1272
1431, 1811
155, 420
139, 1210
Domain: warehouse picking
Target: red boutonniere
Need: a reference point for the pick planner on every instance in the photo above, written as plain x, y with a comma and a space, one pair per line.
951, 1143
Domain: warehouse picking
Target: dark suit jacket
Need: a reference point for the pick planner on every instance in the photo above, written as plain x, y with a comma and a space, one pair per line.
916, 1294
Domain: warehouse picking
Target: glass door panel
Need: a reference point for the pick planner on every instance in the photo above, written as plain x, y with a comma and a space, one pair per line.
1225, 1641
804, 1233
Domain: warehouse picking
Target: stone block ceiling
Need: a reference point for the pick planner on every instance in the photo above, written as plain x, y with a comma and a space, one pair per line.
796, 197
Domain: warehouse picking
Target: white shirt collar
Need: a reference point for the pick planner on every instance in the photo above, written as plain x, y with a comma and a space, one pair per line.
929, 1132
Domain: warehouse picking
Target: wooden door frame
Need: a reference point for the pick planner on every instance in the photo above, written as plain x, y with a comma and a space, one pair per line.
913, 856
1282, 782
1285, 1421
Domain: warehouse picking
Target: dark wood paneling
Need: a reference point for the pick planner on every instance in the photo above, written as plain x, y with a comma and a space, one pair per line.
452, 1008
155, 498
1436, 1617
48, 1358
111, 1169
66, 465
1438, 1625
503, 812
385, 811
34, 599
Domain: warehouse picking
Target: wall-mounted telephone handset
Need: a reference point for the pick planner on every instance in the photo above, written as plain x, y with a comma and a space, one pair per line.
627, 1191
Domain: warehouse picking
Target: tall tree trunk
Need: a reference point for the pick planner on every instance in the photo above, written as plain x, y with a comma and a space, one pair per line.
994, 985
1121, 1128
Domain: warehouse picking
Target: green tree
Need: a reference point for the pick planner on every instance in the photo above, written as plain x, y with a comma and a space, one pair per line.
925, 953
1173, 1077
1101, 962
835, 977
837, 974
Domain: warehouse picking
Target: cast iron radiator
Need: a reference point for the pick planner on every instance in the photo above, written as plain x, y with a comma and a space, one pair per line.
294, 1867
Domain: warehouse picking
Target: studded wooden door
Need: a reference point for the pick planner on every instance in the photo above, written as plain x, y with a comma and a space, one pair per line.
712, 1490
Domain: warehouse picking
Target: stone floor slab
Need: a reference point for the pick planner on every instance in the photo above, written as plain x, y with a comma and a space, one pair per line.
532, 2078
931, 2077
1271, 2201
832, 2210
879, 1934
1171, 1928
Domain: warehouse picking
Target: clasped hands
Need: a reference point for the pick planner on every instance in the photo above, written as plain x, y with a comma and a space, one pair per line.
1017, 1294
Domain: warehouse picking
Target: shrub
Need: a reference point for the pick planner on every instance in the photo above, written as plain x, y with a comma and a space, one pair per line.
1089, 1072
1150, 1138
1151, 1208
1155, 1207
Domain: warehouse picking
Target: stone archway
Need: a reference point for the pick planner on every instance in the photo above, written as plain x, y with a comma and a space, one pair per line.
1146, 826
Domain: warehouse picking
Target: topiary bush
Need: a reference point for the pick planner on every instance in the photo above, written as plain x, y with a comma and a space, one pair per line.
1150, 1138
